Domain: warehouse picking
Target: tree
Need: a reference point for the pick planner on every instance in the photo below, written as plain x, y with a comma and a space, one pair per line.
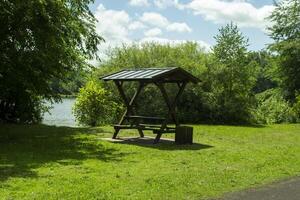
74, 81
232, 77
267, 70
286, 33
40, 41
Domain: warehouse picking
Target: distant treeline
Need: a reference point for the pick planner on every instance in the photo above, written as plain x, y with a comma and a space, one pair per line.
44, 53
237, 86
71, 84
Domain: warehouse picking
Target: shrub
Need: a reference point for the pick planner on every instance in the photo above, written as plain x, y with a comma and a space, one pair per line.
273, 108
296, 107
94, 105
24, 107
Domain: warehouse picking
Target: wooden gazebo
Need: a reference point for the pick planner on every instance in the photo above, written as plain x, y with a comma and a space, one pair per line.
145, 76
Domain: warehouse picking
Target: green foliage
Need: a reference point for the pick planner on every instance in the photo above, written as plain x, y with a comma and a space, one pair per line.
296, 107
27, 108
41, 41
74, 81
273, 108
267, 71
189, 56
94, 106
286, 33
230, 77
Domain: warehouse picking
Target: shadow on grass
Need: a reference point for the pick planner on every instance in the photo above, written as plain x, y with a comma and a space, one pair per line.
25, 148
164, 144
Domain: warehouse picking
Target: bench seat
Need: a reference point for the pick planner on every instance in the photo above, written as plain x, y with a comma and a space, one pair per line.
134, 117
147, 127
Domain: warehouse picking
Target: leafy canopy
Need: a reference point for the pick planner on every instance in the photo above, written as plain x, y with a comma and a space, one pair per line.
41, 40
286, 33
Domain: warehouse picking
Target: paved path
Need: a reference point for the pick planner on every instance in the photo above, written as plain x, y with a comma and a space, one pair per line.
285, 190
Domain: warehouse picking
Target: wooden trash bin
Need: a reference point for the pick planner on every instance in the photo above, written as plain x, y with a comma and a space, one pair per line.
184, 135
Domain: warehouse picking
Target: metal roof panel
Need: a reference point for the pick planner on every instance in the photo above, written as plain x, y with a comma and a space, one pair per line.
150, 74
118, 75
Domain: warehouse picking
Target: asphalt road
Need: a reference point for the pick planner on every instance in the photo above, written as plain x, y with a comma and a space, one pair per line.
285, 190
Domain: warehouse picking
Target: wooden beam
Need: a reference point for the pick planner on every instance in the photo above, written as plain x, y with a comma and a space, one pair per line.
128, 104
171, 106
179, 93
121, 92
170, 111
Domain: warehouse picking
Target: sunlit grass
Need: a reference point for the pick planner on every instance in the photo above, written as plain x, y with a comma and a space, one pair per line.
43, 162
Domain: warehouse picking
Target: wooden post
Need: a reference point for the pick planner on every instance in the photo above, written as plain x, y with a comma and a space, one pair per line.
128, 104
171, 106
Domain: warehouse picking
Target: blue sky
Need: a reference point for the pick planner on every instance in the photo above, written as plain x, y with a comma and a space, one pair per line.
127, 21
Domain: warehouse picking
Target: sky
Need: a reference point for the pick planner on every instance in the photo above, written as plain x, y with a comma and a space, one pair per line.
176, 21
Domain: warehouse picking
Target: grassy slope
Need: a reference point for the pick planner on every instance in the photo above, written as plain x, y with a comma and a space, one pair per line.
41, 162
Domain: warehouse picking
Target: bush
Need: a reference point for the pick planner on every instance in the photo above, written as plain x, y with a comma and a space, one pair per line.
94, 106
296, 107
21, 107
273, 108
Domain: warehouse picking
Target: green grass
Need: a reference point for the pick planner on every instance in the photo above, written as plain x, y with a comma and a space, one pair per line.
43, 162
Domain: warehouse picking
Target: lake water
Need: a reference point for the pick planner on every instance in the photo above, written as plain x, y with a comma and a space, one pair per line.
61, 114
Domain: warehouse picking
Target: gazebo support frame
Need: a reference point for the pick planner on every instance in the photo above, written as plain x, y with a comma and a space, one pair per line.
130, 111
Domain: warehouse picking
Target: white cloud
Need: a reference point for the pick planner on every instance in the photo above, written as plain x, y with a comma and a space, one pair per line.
153, 32
155, 19
139, 3
239, 11
117, 28
162, 4
179, 27
136, 25
161, 40
112, 24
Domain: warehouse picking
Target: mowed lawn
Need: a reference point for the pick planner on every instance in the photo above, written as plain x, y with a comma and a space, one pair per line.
44, 162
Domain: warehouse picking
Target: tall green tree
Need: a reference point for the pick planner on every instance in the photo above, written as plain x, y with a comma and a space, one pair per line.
286, 33
267, 70
232, 77
41, 41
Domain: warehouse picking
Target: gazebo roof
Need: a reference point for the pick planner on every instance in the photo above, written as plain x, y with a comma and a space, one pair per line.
170, 74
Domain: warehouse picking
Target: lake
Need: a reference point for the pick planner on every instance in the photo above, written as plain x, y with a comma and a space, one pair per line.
61, 114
